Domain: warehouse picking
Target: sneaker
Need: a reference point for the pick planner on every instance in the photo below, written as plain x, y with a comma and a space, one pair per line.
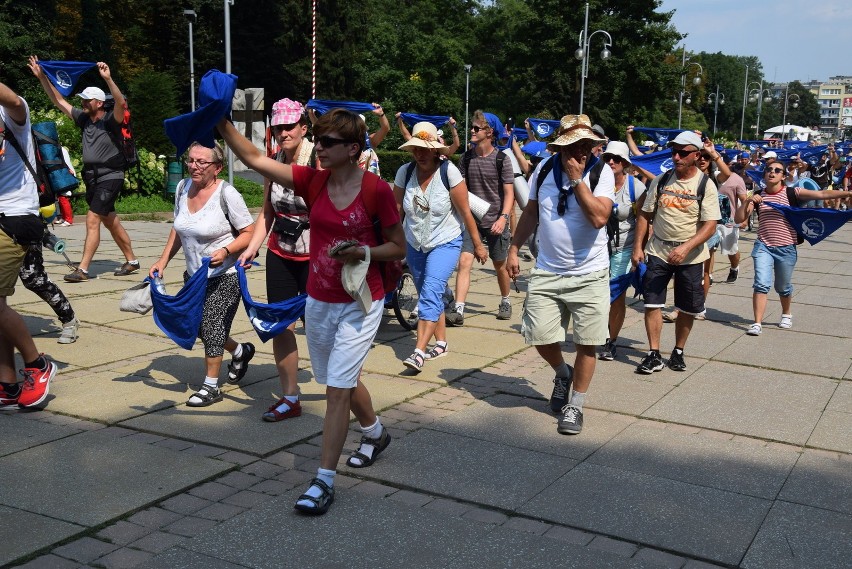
205, 396
504, 312
670, 316
561, 387
36, 384
652, 362
607, 352
126, 269
238, 367
78, 276
711, 280
754, 330
64, 223
273, 415
676, 362
701, 315
732, 276
414, 361
786, 321
571, 421
8, 401
69, 332
455, 318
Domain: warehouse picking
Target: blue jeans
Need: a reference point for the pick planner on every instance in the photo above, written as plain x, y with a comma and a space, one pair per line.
431, 271
778, 260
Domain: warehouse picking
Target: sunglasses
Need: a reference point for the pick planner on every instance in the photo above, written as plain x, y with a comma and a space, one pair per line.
562, 203
421, 202
616, 159
475, 128
704, 157
682, 152
329, 141
775, 170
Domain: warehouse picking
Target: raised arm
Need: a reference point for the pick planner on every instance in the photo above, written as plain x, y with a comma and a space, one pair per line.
631, 144
384, 126
55, 98
406, 134
254, 158
724, 171
456, 142
530, 132
120, 103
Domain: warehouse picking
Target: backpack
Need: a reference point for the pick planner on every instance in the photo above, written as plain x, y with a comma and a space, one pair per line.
612, 233
46, 195
665, 178
123, 137
409, 171
391, 271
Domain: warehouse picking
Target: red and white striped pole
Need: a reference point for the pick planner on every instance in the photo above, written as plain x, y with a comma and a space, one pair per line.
314, 50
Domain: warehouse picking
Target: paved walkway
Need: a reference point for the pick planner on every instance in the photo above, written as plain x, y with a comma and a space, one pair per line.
744, 460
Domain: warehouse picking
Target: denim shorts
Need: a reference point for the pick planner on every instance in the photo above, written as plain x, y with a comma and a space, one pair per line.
778, 260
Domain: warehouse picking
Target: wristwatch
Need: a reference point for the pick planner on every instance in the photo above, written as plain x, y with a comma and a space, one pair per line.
576, 182
505, 216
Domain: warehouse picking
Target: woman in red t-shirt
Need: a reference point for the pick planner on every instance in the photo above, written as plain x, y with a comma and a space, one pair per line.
338, 330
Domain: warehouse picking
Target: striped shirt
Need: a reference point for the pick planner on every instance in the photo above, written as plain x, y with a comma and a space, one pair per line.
774, 230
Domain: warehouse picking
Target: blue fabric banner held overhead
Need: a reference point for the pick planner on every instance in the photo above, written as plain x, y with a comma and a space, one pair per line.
661, 136
656, 162
64, 74
411, 119
215, 95
322, 106
543, 127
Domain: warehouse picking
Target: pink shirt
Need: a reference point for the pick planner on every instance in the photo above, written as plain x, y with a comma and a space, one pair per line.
774, 230
330, 225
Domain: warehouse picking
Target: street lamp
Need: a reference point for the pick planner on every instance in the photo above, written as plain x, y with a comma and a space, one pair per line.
228, 4
695, 81
787, 99
582, 53
715, 99
466, 99
190, 18
758, 95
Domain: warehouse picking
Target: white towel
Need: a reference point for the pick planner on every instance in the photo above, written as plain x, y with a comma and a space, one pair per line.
355, 281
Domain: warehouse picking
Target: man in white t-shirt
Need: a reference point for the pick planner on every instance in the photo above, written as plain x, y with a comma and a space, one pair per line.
571, 197
21, 226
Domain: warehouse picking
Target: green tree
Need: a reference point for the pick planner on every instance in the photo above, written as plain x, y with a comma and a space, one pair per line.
152, 99
806, 109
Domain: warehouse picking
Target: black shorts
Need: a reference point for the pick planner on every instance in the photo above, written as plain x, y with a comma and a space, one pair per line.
101, 194
498, 245
285, 278
688, 289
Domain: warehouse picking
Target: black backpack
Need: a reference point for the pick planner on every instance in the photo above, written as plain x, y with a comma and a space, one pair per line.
445, 164
46, 195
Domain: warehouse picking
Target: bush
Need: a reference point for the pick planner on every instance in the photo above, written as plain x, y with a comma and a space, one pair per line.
152, 99
149, 177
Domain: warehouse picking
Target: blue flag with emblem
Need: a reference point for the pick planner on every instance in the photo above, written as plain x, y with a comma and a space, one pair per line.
269, 320
661, 136
656, 162
64, 74
814, 224
543, 127
411, 119
179, 316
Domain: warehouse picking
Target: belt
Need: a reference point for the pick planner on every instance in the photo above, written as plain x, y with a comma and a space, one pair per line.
669, 243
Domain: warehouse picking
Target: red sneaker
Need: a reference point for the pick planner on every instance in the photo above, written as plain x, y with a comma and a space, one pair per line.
8, 401
36, 384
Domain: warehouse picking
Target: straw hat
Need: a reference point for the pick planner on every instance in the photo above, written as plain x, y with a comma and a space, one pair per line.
425, 135
574, 128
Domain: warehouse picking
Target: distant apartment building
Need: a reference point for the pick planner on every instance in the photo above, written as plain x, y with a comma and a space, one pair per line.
835, 104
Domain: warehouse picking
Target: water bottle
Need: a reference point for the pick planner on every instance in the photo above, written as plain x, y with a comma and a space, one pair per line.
158, 284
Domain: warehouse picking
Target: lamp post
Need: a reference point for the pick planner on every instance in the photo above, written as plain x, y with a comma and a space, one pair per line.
758, 95
695, 81
228, 4
787, 99
582, 53
715, 99
466, 100
745, 98
190, 18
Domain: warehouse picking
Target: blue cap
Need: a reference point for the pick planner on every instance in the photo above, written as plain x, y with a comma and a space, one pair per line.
745, 155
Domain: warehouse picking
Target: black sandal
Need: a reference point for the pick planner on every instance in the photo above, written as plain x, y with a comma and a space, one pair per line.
320, 504
378, 445
207, 396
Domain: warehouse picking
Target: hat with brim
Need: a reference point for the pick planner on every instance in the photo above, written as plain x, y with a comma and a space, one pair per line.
573, 129
90, 93
286, 111
425, 135
688, 138
617, 148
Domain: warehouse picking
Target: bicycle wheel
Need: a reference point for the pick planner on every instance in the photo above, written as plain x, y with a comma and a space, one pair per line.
406, 302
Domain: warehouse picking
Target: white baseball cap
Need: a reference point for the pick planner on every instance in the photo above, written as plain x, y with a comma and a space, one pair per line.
770, 154
90, 93
688, 138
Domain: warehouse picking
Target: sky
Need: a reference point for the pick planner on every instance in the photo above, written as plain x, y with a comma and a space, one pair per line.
794, 40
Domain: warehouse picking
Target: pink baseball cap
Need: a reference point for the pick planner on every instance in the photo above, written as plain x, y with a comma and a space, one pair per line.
286, 111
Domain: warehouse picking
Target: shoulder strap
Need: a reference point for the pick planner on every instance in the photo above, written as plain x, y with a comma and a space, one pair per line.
500, 158
17, 146
791, 196
661, 183
409, 171
445, 178
595, 174
702, 187
223, 203
465, 159
369, 192
315, 187
631, 189
544, 172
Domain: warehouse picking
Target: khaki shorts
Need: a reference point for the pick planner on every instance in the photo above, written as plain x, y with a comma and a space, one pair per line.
11, 259
553, 302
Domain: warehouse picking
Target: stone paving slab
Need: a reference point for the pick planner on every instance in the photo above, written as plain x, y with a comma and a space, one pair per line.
795, 536
791, 350
23, 532
81, 473
821, 320
748, 401
388, 536
467, 469
707, 339
833, 432
387, 359
684, 518
732, 465
495, 344
528, 424
20, 434
834, 298
820, 481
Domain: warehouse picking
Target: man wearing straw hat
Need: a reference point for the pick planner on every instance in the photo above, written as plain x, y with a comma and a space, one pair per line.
570, 281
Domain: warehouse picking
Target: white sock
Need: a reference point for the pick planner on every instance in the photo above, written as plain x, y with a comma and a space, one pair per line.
374, 431
283, 408
505, 299
577, 400
441, 344
211, 381
134, 262
238, 352
326, 476
735, 269
563, 370
460, 307
420, 352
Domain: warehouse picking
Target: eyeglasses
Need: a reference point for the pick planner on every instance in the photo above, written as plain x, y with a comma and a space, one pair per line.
475, 128
775, 170
421, 202
200, 164
283, 127
682, 152
562, 204
329, 141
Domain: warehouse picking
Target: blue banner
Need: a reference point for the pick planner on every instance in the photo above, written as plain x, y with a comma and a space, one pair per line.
64, 74
661, 136
656, 163
814, 224
179, 316
269, 320
620, 284
537, 149
322, 106
520, 133
215, 95
543, 128
411, 119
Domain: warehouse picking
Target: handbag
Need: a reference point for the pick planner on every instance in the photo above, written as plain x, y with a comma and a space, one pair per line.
25, 230
137, 298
